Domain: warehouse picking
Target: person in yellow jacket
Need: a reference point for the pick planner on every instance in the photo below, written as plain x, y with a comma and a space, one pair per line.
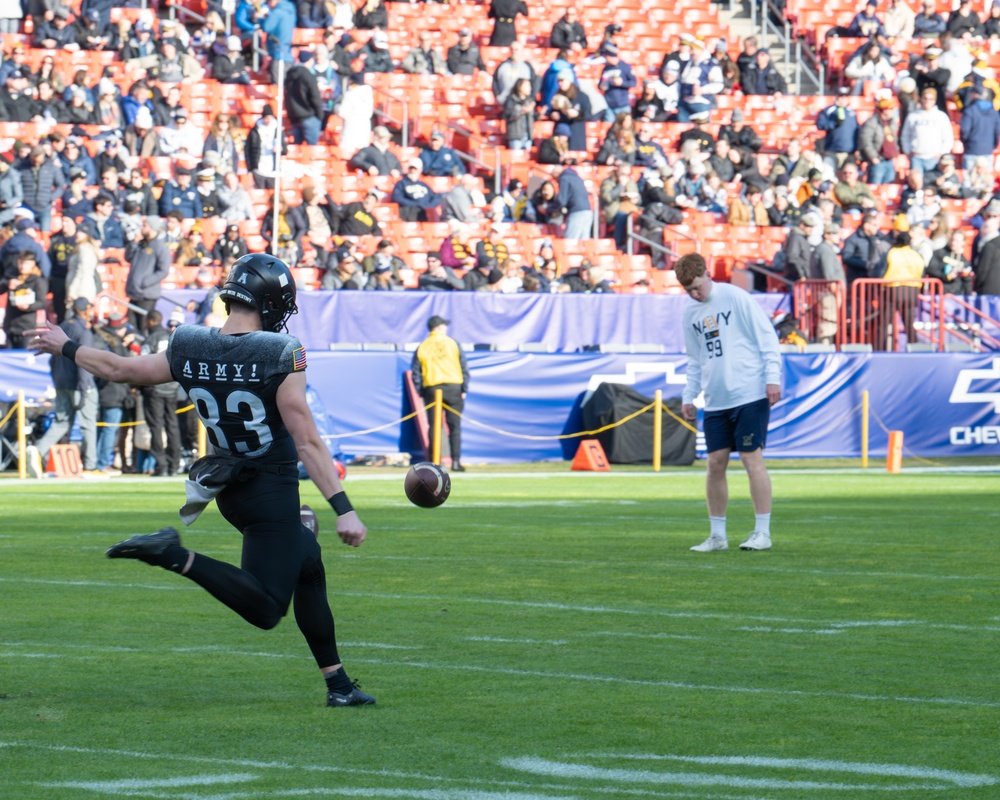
904, 273
439, 363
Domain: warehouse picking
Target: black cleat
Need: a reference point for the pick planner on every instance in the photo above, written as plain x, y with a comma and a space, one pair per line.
457, 467
355, 697
145, 547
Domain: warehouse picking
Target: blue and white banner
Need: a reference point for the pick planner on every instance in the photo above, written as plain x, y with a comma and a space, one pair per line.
946, 404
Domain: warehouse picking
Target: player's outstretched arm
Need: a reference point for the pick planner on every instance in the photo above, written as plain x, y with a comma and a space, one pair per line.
141, 370
299, 420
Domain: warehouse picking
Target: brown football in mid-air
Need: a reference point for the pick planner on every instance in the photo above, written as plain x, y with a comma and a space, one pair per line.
427, 485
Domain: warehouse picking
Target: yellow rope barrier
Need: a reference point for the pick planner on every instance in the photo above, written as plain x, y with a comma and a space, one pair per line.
622, 421
13, 410
371, 430
138, 421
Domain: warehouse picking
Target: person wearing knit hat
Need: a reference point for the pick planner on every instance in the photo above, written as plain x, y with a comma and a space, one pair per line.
615, 82
303, 101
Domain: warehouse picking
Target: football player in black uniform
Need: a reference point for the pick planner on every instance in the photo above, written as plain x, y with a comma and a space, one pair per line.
248, 383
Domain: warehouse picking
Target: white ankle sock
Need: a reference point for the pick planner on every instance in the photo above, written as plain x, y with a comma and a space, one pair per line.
718, 527
763, 524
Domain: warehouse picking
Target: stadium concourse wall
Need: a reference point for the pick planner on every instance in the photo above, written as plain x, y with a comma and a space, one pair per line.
947, 404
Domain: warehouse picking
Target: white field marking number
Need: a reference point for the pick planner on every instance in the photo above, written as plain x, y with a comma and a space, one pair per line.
577, 776
751, 772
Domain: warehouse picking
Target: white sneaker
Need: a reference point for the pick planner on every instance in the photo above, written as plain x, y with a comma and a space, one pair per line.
33, 462
757, 541
711, 544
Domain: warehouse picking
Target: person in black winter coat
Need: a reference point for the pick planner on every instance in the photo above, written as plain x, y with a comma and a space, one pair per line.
988, 268
437, 277
761, 77
568, 33
503, 13
303, 101
739, 134
25, 298
372, 14
230, 245
464, 58
951, 267
357, 218
377, 158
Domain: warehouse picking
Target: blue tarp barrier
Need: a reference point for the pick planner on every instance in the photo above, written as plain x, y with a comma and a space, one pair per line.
947, 404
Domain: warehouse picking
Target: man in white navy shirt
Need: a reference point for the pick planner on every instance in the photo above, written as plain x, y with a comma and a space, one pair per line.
733, 357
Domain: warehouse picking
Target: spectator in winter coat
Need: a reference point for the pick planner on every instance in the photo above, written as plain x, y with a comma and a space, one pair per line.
797, 250
42, 182
878, 142
372, 15
519, 114
11, 192
303, 101
568, 33
864, 249
358, 218
929, 73
928, 24
424, 59
102, 224
510, 71
649, 153
375, 54
898, 19
26, 292
761, 76
261, 148
701, 80
439, 160
575, 201
464, 57
950, 266
615, 81
963, 19
748, 209
503, 13
866, 24
149, 266
377, 158
979, 129
851, 193
840, 122
234, 200
313, 14
464, 201
414, 197
869, 64
571, 105
56, 33
555, 149
926, 134
437, 277
230, 66
739, 134
277, 19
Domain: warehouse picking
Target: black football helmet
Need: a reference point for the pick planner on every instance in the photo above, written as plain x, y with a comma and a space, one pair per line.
263, 282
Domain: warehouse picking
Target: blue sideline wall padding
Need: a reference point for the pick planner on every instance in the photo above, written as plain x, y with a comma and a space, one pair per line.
564, 322
947, 404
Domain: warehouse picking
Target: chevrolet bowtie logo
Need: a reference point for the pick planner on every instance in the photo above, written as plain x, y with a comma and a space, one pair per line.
961, 394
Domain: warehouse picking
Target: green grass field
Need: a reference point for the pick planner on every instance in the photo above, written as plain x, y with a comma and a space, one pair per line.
540, 637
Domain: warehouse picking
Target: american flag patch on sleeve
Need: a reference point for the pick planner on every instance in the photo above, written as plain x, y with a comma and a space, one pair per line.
298, 359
